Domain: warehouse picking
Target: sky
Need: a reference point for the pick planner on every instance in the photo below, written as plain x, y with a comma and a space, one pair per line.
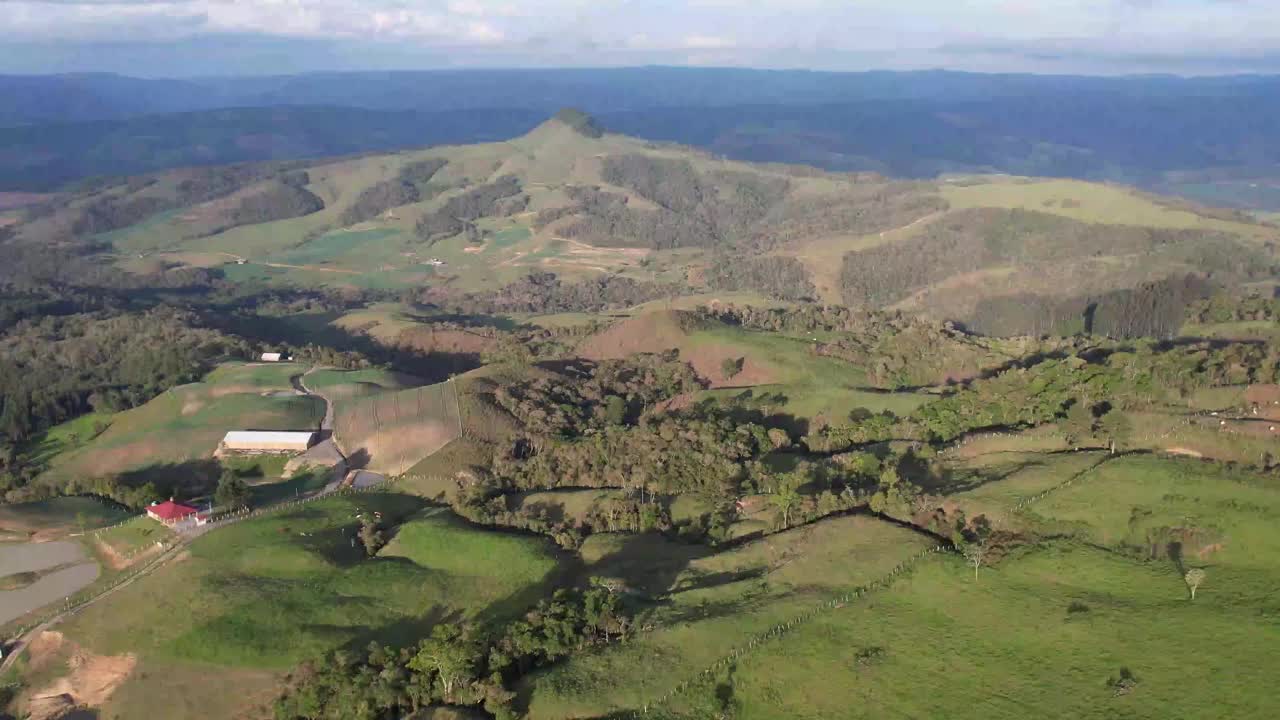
177, 38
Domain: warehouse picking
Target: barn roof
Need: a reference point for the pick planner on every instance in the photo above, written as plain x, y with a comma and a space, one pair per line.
268, 436
170, 510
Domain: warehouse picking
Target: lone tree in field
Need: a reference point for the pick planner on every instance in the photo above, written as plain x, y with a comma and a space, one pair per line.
977, 542
1194, 577
730, 367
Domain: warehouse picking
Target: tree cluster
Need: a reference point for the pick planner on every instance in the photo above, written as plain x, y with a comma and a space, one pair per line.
407, 187
496, 199
454, 665
592, 396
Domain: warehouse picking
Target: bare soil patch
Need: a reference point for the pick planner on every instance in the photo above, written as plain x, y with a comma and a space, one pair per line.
1186, 452
651, 332
429, 340
393, 451
91, 681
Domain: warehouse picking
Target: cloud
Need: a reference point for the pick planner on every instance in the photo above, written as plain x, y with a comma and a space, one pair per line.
818, 33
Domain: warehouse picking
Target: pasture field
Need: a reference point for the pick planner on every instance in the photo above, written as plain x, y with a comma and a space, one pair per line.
1087, 202
185, 424
67, 436
119, 544
58, 516
1222, 519
1038, 635
394, 431
242, 589
710, 605
358, 383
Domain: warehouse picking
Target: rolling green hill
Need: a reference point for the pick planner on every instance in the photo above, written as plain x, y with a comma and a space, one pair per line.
588, 205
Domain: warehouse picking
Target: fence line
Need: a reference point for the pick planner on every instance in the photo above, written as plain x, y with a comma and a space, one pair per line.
78, 600
777, 631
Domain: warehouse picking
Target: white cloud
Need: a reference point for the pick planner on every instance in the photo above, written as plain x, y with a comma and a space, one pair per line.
738, 31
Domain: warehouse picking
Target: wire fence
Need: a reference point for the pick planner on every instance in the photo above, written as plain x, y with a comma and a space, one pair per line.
394, 431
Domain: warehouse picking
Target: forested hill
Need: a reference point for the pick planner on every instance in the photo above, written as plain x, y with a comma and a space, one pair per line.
460, 226
1202, 137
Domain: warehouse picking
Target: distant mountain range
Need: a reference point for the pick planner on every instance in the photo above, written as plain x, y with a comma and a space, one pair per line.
1210, 138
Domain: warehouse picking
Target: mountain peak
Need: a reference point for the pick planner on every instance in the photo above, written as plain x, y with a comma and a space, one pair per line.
581, 122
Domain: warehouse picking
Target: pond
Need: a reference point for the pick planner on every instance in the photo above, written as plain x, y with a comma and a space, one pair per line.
62, 568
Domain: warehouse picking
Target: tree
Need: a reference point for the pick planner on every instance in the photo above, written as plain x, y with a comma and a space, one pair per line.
233, 491
449, 656
615, 410
787, 500
371, 535
1194, 578
730, 367
1116, 428
977, 542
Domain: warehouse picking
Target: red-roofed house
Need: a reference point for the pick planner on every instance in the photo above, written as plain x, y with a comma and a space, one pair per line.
169, 512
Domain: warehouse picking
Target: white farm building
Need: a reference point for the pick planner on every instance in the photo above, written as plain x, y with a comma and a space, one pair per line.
273, 357
267, 441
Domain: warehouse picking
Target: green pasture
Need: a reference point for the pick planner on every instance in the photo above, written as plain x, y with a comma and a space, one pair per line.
1087, 202
1039, 635
270, 592
134, 535
710, 605
58, 515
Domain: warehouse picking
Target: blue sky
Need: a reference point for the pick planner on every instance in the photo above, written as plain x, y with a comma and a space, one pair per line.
198, 37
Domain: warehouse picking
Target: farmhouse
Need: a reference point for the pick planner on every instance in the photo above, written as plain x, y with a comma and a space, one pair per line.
267, 441
273, 357
169, 512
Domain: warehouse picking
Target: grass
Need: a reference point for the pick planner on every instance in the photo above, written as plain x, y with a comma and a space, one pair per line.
19, 580
939, 644
67, 436
185, 424
1087, 202
716, 603
358, 382
1143, 494
134, 535
270, 592
61, 515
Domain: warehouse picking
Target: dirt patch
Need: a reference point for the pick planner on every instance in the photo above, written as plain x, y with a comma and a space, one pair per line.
1188, 452
668, 330
1262, 395
428, 340
708, 362
393, 451
91, 681
651, 332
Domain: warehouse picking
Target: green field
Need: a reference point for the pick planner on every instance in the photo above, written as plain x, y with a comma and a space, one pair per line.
57, 516
264, 594
711, 605
1088, 202
133, 536
1038, 636
185, 424
357, 383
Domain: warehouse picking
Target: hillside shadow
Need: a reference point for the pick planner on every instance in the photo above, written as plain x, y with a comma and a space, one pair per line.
184, 480
647, 563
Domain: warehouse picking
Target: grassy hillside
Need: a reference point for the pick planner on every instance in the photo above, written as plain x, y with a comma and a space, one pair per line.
589, 206
170, 440
244, 589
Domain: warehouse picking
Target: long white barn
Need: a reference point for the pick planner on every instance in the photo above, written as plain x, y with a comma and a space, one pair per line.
268, 441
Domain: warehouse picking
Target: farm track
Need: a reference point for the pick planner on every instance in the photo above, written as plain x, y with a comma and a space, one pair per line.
14, 651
